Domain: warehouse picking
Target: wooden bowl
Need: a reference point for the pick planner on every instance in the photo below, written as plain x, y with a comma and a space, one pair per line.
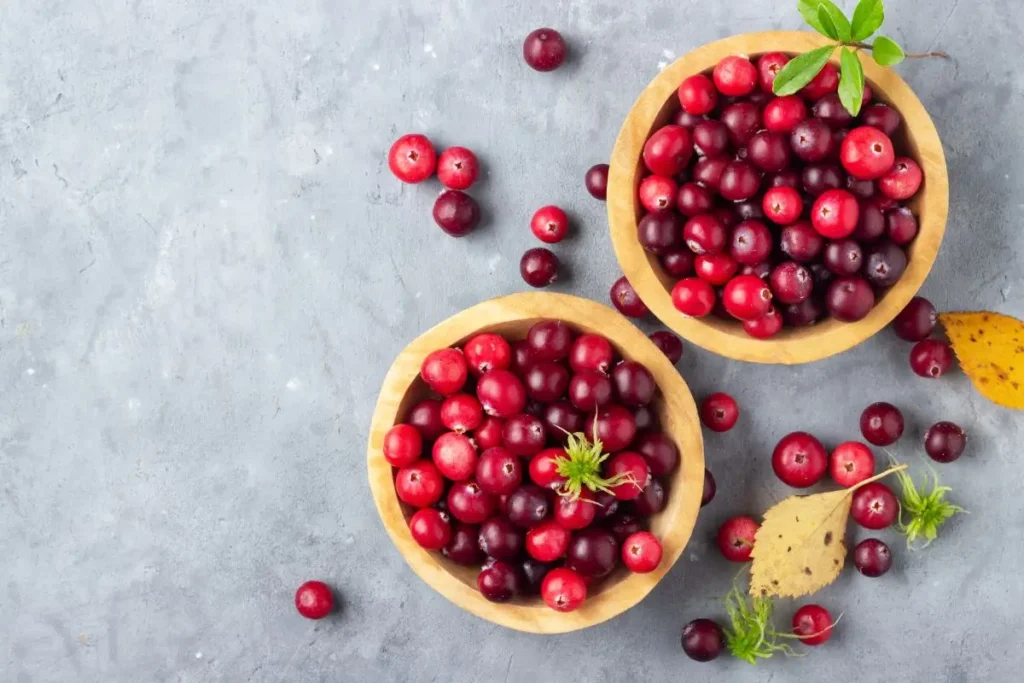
655, 107
512, 316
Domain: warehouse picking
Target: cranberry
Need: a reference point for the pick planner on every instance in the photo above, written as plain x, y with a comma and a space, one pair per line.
425, 416
539, 267
931, 358
736, 538
645, 418
606, 505
576, 514
634, 384
457, 168
623, 525
788, 178
843, 257
783, 113
711, 138
881, 424
901, 225
678, 263
812, 624
830, 110
851, 463
867, 153
693, 297
561, 418
811, 140
710, 488
704, 234
807, 312
634, 467
697, 95
916, 321
669, 344
871, 224
641, 552
455, 456
658, 193
544, 49
751, 243
497, 581
626, 300
835, 214
884, 203
464, 548
791, 283
864, 189
874, 506
544, 468
412, 158
402, 445
591, 352
882, 117
651, 500
659, 232
314, 599
461, 413
703, 640
945, 442
419, 484
444, 371
765, 327
500, 539
590, 389
456, 213
739, 181
546, 382
768, 67
818, 179
487, 351
743, 119
693, 199
708, 172
719, 412
687, 120
498, 471
801, 242
799, 460
430, 529
549, 340
563, 590
593, 552
522, 358
849, 299
782, 205
827, 81
902, 181
661, 454
596, 181
747, 297
872, 557
668, 150
616, 427
550, 224
884, 264
769, 151
547, 541
523, 435
527, 506
501, 393
735, 76
716, 269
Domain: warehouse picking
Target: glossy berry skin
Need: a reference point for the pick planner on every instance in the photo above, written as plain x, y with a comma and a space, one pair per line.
765, 327
851, 463
501, 393
827, 81
747, 297
736, 538
532, 572
461, 413
527, 506
703, 640
849, 299
716, 269
801, 242
710, 488
782, 205
549, 224
669, 343
419, 484
931, 358
768, 67
469, 504
593, 552
783, 113
634, 384
463, 548
705, 234
641, 552
626, 300
719, 412
843, 257
590, 389
547, 541
668, 150
402, 445
659, 451
425, 416
831, 110
596, 181
561, 417
791, 282
522, 357
916, 321
576, 514
658, 193
901, 225
455, 456
549, 340
546, 381
430, 529
902, 181
882, 117
739, 181
769, 151
751, 243
799, 460
456, 213
693, 199
563, 590
711, 138
812, 624
523, 435
867, 153
544, 49
697, 95
693, 297
497, 581
645, 419
807, 312
945, 442
500, 538
487, 351
881, 424
457, 168
659, 232
616, 427
835, 214
633, 465
872, 557
821, 178
314, 600
412, 158
539, 267
544, 468
735, 76
498, 471
874, 506
811, 140
591, 352
445, 371
884, 263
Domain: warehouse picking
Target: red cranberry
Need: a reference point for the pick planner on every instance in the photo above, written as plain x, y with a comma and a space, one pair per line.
835, 214
867, 153
498, 472
711, 138
881, 424
634, 384
461, 413
703, 640
645, 419
425, 416
626, 300
783, 113
678, 262
747, 297
818, 179
463, 548
768, 67
872, 557
500, 538
801, 242
457, 168
576, 514
874, 506
497, 581
419, 484
811, 140
501, 393
716, 269
591, 352
589, 389
931, 358
882, 117
444, 371
827, 81
455, 456
314, 599
739, 181
743, 119
693, 199
751, 243
850, 299
843, 257
412, 158
403, 445
693, 297
560, 417
487, 351
659, 232
705, 234
539, 267
799, 460
902, 181
945, 442
658, 193
710, 488
735, 76
708, 172
469, 504
596, 181
523, 435
522, 357
884, 264
830, 110
563, 590
916, 321
765, 327
697, 95
812, 624
901, 225
641, 552
782, 205
544, 49
669, 344
668, 150
769, 151
736, 538
546, 382
851, 463
549, 340
807, 312
791, 283
871, 223
719, 412
687, 120
615, 427
456, 213
550, 224
593, 552
544, 468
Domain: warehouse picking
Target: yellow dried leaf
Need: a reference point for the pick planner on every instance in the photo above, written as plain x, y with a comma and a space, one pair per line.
990, 347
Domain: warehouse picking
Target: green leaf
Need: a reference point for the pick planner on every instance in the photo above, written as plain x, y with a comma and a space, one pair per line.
801, 70
851, 81
809, 11
842, 24
867, 18
886, 52
828, 26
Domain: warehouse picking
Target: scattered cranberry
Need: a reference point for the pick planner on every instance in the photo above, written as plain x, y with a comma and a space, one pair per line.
464, 548
591, 352
872, 557
736, 538
719, 412
456, 213
544, 49
497, 581
850, 299
641, 552
412, 158
596, 181
765, 327
659, 232
782, 205
851, 463
693, 297
874, 506
668, 151
563, 590
710, 488
658, 193
669, 344
916, 321
835, 214
704, 234
697, 95
457, 168
801, 242
539, 267
902, 181
419, 484
501, 393
881, 424
430, 529
735, 76
314, 599
799, 460
867, 153
626, 300
403, 445
550, 224
791, 283
783, 113
882, 117
425, 416
811, 140
945, 442
498, 471
931, 358
703, 640
812, 624
884, 264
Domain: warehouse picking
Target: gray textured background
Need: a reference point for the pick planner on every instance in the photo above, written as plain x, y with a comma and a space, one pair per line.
206, 270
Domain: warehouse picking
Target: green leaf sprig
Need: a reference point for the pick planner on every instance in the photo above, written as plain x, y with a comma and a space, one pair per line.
751, 633
924, 509
581, 467
827, 19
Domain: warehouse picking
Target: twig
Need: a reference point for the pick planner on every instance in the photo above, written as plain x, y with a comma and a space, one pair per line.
908, 55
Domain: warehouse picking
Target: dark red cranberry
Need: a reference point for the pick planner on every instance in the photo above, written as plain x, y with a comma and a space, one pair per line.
659, 451
901, 225
469, 503
743, 119
560, 417
871, 223
882, 117
705, 234
607, 505
703, 640
615, 427
533, 572
523, 434
549, 340
533, 408
945, 442
749, 210
710, 488
527, 506
788, 178
830, 110
807, 312
791, 282
651, 500
768, 151
931, 358
522, 357
669, 344
590, 389
659, 232
464, 547
500, 538
546, 382
498, 472
872, 557
811, 140
678, 263
864, 189
626, 300
801, 242
822, 275
593, 552
596, 181
634, 383
693, 199
884, 264
498, 581
645, 419
819, 179
456, 213
544, 49
711, 138
624, 525
668, 150
708, 172
739, 181
751, 243
686, 119
882, 424
916, 321
425, 416
850, 299
843, 257
539, 267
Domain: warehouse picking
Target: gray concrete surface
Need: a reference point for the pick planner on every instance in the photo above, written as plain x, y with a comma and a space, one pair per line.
206, 270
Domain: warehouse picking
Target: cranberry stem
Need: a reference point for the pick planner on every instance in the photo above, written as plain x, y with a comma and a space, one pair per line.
906, 55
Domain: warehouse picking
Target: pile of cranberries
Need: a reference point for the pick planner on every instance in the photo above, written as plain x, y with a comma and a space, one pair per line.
775, 210
479, 463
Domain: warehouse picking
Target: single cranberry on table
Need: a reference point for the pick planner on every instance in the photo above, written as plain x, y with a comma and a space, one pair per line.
703, 640
801, 242
736, 538
456, 213
811, 140
412, 158
457, 168
668, 150
550, 224
498, 581
782, 205
867, 153
747, 297
881, 423
425, 416
882, 117
596, 181
735, 76
487, 351
641, 552
693, 297
812, 624
670, 344
626, 300
464, 547
901, 225
765, 327
884, 264
827, 81
799, 460
591, 352
445, 371
704, 234
593, 552
544, 49
658, 193
851, 463
659, 232
751, 243
633, 469
403, 445
430, 529
850, 299
710, 138
902, 181
945, 441
693, 199
498, 471
314, 600
874, 506
835, 214
563, 590
916, 321
872, 557
697, 95
539, 267
710, 488
931, 358
501, 393
719, 412
791, 282
419, 484
783, 113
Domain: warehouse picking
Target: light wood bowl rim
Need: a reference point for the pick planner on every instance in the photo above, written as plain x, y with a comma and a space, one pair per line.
676, 409
792, 345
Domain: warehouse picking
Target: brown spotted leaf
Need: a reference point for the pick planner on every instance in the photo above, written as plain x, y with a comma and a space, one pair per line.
990, 348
